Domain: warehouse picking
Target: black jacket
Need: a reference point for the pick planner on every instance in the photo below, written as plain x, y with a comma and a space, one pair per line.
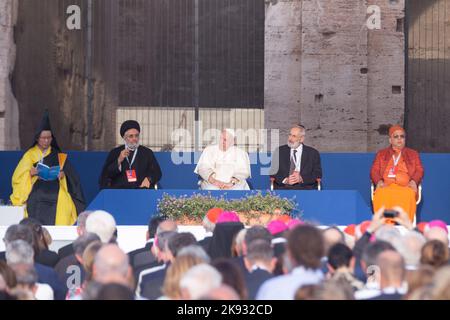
310, 169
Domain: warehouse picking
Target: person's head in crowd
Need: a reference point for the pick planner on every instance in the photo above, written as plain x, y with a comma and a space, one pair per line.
331, 236
171, 287
153, 224
18, 232
47, 236
371, 251
392, 269
437, 233
199, 281
305, 247
7, 277
111, 265
221, 242
292, 223
440, 287
231, 276
277, 228
237, 247
328, 290
88, 258
178, 242
164, 226
160, 248
19, 252
421, 277
81, 243
260, 255
196, 251
228, 216
224, 292
421, 226
39, 242
81, 222
409, 246
102, 224
210, 219
340, 258
388, 233
26, 278
115, 291
436, 224
435, 254
255, 233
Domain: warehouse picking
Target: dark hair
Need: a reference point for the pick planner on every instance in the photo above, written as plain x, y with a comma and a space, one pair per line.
179, 241
339, 255
231, 276
82, 242
115, 291
306, 246
255, 233
39, 239
153, 225
260, 250
372, 251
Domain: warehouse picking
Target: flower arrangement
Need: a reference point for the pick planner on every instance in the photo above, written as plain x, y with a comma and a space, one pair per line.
255, 208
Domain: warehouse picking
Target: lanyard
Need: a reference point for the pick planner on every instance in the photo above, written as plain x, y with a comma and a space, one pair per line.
396, 160
134, 157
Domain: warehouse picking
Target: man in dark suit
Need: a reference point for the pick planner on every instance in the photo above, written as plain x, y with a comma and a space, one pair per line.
260, 263
296, 166
68, 250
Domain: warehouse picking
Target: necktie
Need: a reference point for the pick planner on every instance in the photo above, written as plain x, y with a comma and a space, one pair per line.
293, 161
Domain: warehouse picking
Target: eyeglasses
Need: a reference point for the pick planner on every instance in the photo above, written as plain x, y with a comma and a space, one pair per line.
130, 136
402, 136
45, 138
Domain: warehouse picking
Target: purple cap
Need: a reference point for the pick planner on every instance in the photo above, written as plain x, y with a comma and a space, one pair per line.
438, 224
276, 226
228, 216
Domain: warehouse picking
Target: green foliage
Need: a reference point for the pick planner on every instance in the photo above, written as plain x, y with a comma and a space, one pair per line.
196, 206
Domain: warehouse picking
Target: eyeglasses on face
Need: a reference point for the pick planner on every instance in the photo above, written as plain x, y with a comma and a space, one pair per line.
402, 136
131, 136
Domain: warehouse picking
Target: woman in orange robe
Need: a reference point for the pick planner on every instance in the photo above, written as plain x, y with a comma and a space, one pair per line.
396, 172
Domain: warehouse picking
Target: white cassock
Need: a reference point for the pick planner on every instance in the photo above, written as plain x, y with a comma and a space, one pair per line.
225, 165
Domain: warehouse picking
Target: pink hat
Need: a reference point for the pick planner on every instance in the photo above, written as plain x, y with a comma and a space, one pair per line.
438, 224
228, 216
293, 223
276, 226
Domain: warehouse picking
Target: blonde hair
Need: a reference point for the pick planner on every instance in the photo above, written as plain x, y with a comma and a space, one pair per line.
181, 265
89, 257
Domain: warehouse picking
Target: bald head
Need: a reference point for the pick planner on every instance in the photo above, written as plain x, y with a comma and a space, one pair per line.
111, 265
392, 268
223, 292
332, 236
437, 233
167, 225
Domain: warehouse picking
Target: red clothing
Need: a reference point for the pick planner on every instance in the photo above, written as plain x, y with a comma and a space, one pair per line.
409, 156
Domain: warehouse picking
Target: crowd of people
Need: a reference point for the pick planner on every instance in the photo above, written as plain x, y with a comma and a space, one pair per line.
381, 259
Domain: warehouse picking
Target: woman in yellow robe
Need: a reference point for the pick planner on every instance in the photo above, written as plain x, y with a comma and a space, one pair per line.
55, 202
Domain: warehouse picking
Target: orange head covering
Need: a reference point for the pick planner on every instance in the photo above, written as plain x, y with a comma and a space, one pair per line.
395, 128
363, 226
213, 214
350, 230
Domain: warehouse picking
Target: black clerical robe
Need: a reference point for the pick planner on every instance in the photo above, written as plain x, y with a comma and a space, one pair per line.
145, 166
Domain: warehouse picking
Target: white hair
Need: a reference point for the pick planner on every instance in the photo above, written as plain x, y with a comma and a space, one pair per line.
410, 246
102, 224
200, 280
387, 233
194, 251
110, 259
19, 252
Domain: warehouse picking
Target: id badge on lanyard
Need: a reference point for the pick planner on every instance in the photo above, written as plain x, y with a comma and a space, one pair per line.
393, 170
131, 174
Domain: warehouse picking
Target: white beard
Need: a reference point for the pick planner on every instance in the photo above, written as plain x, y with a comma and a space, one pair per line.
132, 147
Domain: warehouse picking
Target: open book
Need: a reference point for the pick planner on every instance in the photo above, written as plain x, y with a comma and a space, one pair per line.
46, 173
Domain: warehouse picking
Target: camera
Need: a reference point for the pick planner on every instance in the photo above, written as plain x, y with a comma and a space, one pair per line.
390, 214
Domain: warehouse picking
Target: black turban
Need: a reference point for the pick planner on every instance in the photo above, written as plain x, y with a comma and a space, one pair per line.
127, 125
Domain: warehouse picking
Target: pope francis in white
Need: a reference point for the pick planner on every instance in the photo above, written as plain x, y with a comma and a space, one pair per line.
224, 166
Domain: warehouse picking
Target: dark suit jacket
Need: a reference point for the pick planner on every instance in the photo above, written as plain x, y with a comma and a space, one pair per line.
47, 258
64, 271
385, 296
151, 285
310, 169
141, 256
254, 280
49, 276
66, 251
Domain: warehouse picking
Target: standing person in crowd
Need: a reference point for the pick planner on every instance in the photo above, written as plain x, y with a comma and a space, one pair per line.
130, 166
